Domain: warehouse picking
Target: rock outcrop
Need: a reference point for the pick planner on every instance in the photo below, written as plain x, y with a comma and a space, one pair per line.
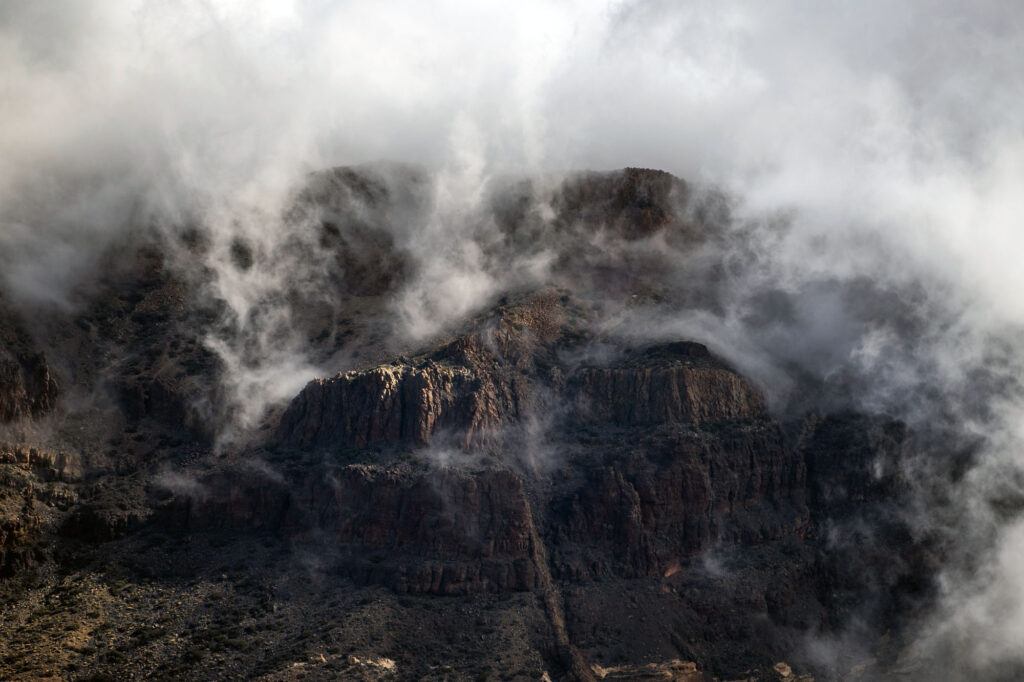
387, 405
468, 390
674, 383
436, 532
35, 488
46, 464
673, 454
670, 671
495, 378
608, 508
675, 493
27, 385
634, 202
19, 530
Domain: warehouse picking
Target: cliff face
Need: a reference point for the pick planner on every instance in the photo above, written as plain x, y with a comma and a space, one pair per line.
438, 532
480, 383
645, 463
34, 489
27, 386
46, 464
387, 405
679, 493
430, 476
610, 507
673, 496
672, 452
28, 390
672, 393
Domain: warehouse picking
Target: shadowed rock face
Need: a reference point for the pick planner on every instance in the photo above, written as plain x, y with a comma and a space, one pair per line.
672, 394
677, 494
27, 387
660, 463
438, 532
639, 500
33, 483
673, 452
19, 530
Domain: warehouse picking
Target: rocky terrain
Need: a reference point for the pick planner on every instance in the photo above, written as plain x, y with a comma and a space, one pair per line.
529, 493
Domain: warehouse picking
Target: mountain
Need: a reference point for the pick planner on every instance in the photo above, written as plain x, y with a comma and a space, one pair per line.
539, 483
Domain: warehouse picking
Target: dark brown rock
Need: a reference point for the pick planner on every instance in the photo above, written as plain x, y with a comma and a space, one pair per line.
384, 405
634, 202
440, 532
19, 531
665, 515
671, 383
158, 398
46, 464
679, 493
26, 387
677, 393
101, 522
469, 389
489, 379
680, 453
852, 460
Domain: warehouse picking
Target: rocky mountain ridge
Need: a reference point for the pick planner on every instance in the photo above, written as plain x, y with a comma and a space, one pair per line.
524, 496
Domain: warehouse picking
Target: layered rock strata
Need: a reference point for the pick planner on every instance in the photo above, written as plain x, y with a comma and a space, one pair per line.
439, 532
671, 453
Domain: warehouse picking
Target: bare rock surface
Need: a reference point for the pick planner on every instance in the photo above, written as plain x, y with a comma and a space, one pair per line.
27, 385
528, 494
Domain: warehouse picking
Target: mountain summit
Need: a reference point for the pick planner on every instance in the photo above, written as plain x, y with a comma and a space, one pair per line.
514, 465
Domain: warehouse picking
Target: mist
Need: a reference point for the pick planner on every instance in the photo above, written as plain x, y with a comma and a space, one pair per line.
872, 156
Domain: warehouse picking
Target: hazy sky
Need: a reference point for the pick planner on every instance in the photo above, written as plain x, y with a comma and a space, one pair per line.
903, 117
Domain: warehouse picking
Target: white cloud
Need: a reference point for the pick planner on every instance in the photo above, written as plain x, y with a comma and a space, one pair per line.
891, 133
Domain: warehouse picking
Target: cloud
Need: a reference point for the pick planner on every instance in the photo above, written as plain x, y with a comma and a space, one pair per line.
874, 153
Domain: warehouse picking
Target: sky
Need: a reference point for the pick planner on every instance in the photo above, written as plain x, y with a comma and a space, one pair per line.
913, 112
